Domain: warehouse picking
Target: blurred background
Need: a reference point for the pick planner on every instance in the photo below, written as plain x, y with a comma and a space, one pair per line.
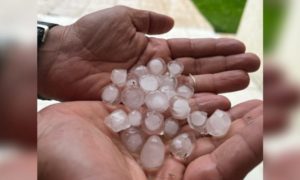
18, 157
281, 51
240, 19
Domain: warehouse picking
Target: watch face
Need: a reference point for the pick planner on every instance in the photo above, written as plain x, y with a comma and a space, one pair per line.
40, 33
40, 29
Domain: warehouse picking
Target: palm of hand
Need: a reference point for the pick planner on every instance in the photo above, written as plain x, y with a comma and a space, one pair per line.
101, 42
115, 38
87, 148
109, 36
75, 144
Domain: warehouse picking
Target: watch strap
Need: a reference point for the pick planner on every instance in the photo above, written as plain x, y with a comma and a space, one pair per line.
42, 30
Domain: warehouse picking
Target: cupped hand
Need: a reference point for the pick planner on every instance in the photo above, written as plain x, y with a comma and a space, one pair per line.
74, 143
76, 60
228, 158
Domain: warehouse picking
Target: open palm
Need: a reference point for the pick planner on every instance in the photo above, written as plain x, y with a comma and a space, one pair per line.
74, 143
76, 60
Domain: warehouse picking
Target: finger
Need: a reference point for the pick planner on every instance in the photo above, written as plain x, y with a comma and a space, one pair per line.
248, 62
233, 159
150, 22
220, 82
204, 47
240, 110
207, 145
209, 102
241, 123
171, 169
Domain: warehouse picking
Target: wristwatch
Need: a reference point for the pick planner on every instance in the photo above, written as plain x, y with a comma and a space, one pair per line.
42, 31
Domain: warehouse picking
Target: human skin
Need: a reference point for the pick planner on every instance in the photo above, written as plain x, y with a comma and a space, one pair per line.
75, 64
74, 143
76, 60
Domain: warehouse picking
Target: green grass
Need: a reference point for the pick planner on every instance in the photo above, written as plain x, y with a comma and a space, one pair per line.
224, 15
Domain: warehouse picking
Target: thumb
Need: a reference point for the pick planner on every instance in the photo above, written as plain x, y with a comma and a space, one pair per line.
233, 159
150, 22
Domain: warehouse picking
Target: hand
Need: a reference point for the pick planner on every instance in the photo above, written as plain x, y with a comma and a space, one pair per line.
231, 157
76, 60
74, 143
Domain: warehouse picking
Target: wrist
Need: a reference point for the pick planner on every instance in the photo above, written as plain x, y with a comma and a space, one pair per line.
47, 56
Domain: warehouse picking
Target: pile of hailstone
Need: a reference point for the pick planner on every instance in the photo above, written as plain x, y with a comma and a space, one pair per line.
158, 106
